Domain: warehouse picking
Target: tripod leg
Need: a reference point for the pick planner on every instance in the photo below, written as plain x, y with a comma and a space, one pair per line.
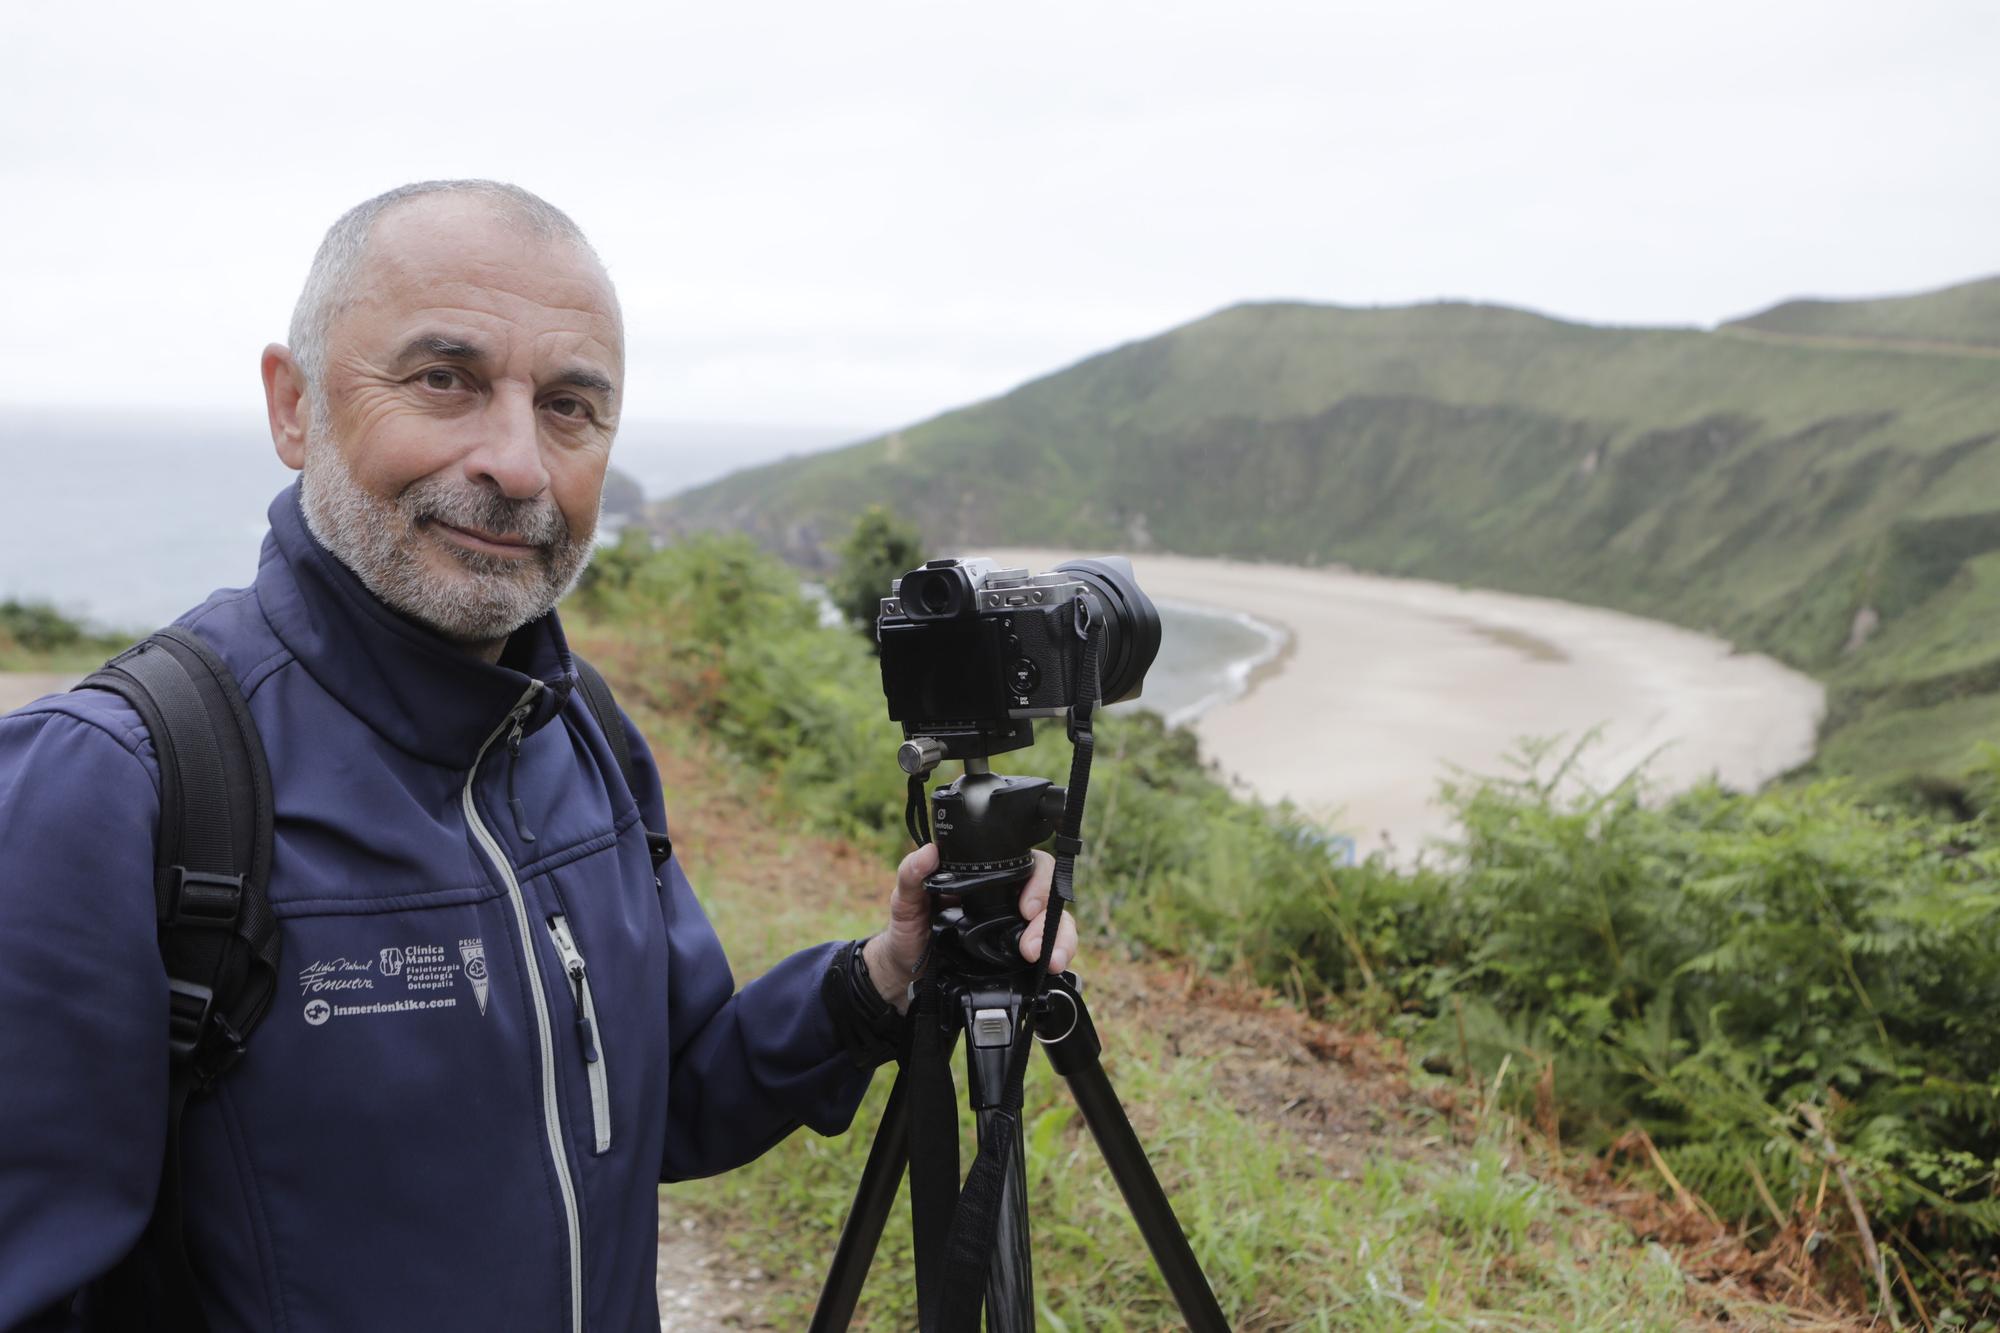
866, 1216
1010, 1281
992, 1016
1074, 1055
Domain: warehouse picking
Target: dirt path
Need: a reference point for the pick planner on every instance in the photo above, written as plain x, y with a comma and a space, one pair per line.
1919, 346
701, 1288
22, 687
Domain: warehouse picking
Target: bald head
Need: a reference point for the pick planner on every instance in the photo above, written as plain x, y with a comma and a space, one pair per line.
343, 256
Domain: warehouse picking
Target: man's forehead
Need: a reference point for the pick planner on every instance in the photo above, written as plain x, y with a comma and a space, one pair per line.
455, 253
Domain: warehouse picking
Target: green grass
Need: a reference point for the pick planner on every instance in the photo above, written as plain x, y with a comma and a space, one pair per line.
1943, 742
1945, 633
1453, 1240
36, 637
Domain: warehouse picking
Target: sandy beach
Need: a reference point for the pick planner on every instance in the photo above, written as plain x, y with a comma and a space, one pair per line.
1391, 684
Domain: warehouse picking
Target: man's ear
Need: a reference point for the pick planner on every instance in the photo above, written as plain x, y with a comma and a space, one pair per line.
285, 403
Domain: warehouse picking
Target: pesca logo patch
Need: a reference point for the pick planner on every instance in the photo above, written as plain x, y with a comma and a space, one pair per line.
472, 956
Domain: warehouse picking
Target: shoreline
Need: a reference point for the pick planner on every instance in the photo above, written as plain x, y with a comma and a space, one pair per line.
1388, 687
1244, 674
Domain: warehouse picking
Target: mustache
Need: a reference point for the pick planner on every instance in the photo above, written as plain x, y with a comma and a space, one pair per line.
538, 521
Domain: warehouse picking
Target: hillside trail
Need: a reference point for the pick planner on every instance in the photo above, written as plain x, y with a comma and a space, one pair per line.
701, 1288
1344, 1096
1916, 346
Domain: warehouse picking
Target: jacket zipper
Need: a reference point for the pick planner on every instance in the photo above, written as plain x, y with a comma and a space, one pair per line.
551, 1108
513, 767
586, 1030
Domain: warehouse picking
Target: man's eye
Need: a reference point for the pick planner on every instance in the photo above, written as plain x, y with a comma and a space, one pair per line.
441, 380
574, 408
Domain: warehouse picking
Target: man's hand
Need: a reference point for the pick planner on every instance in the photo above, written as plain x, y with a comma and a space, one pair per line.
894, 954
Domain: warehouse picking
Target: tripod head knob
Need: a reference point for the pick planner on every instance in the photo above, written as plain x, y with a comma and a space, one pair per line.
919, 755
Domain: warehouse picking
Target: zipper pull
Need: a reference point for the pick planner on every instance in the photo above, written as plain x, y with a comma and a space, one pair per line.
579, 985
586, 1033
594, 1062
513, 763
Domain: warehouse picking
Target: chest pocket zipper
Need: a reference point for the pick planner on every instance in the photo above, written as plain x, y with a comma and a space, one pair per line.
586, 1030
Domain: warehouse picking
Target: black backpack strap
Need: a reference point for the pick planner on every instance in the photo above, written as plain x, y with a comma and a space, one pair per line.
597, 694
218, 935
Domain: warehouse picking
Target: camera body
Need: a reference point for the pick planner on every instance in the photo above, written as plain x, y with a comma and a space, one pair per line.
972, 652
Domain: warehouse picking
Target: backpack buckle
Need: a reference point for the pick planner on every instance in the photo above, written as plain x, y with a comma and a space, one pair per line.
203, 899
199, 1036
188, 1004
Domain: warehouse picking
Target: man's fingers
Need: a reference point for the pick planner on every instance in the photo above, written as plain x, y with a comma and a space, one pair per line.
1035, 896
910, 874
911, 898
1034, 906
910, 902
1031, 941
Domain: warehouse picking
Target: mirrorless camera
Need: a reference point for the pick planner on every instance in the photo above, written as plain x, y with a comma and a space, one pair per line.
972, 652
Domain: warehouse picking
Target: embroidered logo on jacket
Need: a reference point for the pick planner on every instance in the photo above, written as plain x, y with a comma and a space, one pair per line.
403, 978
472, 955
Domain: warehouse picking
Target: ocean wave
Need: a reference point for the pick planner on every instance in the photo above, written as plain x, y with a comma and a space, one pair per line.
1236, 672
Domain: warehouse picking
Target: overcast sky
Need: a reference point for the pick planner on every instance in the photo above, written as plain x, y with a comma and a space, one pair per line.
857, 214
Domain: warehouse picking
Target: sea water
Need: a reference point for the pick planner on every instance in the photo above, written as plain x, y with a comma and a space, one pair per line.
1208, 656
127, 521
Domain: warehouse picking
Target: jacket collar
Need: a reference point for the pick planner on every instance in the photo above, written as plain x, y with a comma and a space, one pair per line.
411, 686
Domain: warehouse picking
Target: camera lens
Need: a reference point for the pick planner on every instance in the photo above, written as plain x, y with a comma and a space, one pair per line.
1131, 623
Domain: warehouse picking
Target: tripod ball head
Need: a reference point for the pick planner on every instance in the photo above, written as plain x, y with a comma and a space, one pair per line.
985, 824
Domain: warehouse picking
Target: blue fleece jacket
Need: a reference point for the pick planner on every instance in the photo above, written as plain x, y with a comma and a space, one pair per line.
493, 1034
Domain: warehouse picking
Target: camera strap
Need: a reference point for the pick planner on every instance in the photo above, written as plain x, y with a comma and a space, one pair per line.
954, 1228
1068, 841
916, 811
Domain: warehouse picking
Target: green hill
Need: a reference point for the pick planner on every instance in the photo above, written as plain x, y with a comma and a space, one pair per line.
1968, 315
1795, 484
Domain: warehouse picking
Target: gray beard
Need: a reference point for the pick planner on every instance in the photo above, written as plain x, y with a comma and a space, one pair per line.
489, 597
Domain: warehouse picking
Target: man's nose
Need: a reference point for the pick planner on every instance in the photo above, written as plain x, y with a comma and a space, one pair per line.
509, 453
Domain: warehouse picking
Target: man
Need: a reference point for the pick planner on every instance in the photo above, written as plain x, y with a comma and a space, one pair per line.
495, 1030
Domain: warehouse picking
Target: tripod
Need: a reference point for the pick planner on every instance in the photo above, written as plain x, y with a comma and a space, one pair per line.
997, 1007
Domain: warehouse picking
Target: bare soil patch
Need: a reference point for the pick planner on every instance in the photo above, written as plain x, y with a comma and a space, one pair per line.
702, 1288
